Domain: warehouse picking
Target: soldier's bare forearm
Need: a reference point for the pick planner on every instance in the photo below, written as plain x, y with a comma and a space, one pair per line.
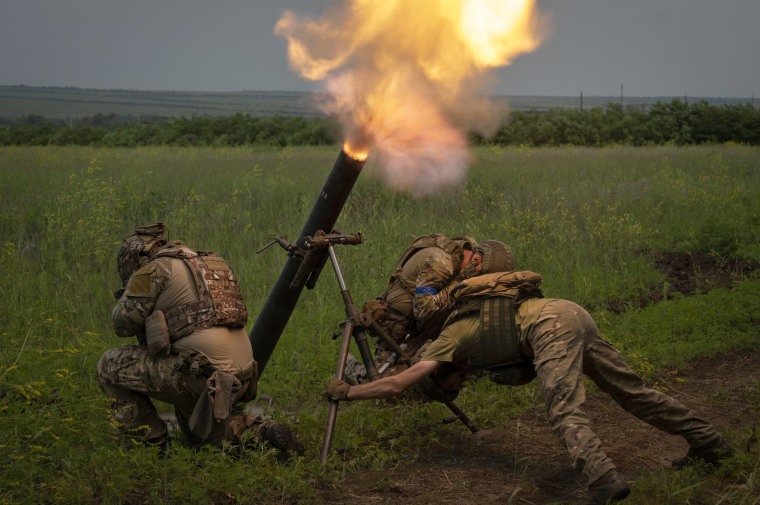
388, 387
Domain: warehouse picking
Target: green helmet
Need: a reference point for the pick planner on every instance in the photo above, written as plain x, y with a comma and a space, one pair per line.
497, 257
138, 248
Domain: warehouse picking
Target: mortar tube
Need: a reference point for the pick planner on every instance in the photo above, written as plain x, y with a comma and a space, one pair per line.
279, 306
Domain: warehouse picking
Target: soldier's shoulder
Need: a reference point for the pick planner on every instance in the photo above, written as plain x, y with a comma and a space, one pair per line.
154, 273
163, 266
435, 251
437, 255
140, 282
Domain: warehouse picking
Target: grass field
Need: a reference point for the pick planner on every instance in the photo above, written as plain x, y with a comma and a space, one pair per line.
582, 218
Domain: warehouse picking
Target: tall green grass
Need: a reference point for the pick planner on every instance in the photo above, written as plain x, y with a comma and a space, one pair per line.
580, 217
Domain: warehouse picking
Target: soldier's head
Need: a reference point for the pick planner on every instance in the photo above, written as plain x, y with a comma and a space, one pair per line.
465, 247
137, 249
460, 249
444, 383
492, 256
450, 377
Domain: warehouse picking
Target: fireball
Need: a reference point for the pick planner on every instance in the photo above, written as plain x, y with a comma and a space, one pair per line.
409, 78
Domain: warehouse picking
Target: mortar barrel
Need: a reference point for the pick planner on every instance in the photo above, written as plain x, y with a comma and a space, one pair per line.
279, 306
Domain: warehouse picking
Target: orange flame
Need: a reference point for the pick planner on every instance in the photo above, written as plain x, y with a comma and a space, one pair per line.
357, 153
401, 73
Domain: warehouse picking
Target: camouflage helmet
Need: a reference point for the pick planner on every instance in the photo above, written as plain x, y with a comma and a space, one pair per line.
497, 257
137, 249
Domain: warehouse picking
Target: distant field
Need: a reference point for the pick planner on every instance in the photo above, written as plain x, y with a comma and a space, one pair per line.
64, 103
55, 102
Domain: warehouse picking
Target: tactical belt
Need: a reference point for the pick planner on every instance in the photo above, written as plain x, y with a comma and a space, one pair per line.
196, 364
193, 364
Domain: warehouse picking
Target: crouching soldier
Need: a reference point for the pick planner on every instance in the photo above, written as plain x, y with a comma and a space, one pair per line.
413, 307
188, 314
502, 325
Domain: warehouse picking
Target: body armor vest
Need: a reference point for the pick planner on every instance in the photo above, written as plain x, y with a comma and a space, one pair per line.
221, 302
496, 296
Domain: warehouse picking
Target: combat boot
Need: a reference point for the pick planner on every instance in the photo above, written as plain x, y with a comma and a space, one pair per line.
162, 445
710, 454
608, 488
282, 438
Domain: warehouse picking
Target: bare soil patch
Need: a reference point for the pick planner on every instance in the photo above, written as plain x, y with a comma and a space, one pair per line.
698, 272
689, 274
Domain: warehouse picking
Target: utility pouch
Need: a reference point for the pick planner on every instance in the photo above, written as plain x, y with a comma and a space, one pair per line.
157, 333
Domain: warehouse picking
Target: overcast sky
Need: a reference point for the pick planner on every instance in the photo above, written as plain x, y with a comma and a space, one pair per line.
651, 47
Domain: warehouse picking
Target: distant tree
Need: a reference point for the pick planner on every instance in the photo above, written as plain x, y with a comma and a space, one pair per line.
84, 136
676, 123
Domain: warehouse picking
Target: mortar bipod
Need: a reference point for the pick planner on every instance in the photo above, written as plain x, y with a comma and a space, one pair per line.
351, 327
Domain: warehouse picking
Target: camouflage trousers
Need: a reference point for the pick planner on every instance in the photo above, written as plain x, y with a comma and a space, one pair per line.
131, 377
565, 344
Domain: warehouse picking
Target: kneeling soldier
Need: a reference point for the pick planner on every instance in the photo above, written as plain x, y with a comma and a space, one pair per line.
188, 314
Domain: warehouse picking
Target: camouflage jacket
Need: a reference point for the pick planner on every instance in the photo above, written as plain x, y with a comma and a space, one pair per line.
417, 299
139, 298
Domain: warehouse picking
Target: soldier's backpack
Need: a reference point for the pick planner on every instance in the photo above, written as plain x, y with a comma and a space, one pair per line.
454, 247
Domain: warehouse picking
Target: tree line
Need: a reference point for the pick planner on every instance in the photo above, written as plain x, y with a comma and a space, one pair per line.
676, 123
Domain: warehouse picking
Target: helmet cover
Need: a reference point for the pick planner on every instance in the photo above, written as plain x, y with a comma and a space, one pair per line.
137, 249
497, 257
